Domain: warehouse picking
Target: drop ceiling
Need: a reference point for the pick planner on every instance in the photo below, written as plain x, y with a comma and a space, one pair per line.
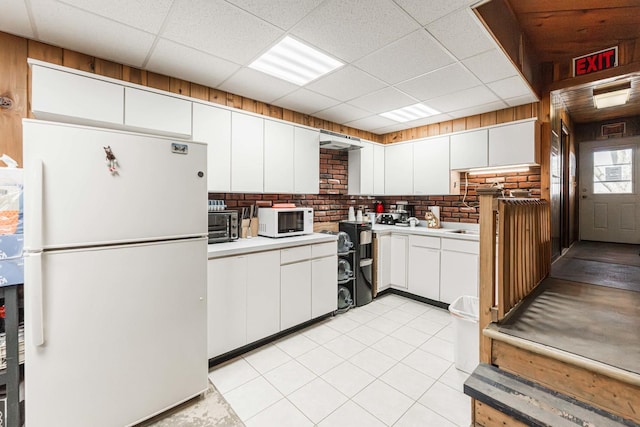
396, 53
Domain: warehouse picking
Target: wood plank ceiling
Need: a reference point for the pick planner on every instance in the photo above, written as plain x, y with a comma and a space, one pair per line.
562, 30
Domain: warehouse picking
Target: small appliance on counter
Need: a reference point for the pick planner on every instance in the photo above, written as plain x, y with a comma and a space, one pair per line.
223, 226
389, 218
285, 221
405, 212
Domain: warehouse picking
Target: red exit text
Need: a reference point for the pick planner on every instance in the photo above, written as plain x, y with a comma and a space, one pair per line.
597, 61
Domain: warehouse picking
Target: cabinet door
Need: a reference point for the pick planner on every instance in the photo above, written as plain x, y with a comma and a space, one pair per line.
431, 173
469, 149
295, 294
384, 262
306, 164
459, 275
58, 95
361, 170
424, 272
513, 144
226, 304
398, 167
278, 157
324, 287
157, 113
247, 148
398, 269
213, 126
263, 295
378, 169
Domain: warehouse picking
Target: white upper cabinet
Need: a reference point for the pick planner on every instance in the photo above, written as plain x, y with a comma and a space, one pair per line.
469, 149
157, 113
361, 170
378, 169
247, 153
213, 126
431, 174
514, 144
58, 95
306, 161
398, 167
278, 157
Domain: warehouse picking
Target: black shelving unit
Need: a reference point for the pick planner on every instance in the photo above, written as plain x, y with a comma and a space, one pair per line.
10, 376
349, 283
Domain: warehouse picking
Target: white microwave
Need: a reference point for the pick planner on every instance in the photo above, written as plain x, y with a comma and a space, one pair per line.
285, 222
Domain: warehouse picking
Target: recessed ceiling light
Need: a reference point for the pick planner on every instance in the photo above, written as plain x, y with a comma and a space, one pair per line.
611, 96
412, 112
295, 62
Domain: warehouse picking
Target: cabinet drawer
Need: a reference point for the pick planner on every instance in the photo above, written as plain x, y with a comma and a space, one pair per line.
324, 249
468, 246
299, 253
425, 241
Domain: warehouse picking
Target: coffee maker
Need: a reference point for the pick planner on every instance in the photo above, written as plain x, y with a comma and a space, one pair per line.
405, 212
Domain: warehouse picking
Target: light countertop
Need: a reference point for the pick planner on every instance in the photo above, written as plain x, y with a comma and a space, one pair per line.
259, 244
469, 233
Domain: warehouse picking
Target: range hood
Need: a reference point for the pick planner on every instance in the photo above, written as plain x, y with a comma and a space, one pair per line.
336, 141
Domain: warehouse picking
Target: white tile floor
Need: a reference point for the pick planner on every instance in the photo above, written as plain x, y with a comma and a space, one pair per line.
388, 363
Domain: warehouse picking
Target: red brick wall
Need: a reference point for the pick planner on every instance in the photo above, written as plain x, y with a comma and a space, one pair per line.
333, 202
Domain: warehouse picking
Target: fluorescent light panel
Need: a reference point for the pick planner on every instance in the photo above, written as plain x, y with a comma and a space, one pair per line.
499, 169
412, 112
611, 96
295, 62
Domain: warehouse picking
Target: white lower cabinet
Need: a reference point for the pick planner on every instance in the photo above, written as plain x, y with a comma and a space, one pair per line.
263, 295
324, 297
226, 304
424, 267
383, 262
295, 294
459, 269
398, 267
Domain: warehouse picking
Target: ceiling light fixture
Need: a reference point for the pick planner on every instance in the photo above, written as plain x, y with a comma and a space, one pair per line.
295, 62
611, 95
412, 112
499, 169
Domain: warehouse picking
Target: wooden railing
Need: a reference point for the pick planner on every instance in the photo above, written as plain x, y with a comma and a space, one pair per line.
522, 258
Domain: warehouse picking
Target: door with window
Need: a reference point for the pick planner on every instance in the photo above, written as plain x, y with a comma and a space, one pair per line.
609, 191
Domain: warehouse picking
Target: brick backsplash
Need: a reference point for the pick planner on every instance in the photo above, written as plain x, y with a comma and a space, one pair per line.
333, 202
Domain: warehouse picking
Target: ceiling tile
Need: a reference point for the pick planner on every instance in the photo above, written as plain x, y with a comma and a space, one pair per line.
449, 79
409, 57
305, 101
14, 19
383, 100
521, 100
60, 25
282, 13
426, 11
480, 109
467, 98
342, 113
352, 29
219, 28
345, 83
370, 123
195, 66
147, 15
388, 129
462, 34
256, 85
510, 87
491, 66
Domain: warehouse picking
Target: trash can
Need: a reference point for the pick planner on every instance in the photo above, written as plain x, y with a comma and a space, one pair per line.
466, 345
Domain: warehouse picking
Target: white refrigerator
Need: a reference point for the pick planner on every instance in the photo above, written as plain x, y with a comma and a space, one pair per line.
115, 275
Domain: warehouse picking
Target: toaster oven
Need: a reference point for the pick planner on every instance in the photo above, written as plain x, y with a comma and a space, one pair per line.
223, 226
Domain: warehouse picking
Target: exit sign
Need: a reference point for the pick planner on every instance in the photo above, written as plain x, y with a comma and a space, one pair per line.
596, 61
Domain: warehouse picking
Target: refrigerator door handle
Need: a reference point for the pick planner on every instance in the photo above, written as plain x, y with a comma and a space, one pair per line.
33, 276
33, 206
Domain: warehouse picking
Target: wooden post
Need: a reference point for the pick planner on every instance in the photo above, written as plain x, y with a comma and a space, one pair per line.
488, 205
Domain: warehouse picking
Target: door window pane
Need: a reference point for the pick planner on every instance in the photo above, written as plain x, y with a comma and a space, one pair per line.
613, 171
